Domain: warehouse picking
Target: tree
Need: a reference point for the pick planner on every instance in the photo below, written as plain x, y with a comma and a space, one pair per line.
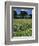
30, 15
15, 14
23, 14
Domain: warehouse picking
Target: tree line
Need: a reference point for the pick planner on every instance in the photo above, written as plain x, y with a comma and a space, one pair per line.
22, 15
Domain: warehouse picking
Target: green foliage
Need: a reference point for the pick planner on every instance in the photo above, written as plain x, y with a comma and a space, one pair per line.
22, 27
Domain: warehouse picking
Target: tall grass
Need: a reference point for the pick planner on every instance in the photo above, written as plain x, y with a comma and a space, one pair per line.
22, 27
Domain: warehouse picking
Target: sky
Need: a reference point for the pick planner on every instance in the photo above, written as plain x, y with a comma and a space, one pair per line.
29, 11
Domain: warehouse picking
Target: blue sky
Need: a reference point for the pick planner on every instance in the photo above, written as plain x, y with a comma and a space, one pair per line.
29, 11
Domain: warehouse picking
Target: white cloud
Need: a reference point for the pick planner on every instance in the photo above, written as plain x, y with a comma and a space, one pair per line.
24, 9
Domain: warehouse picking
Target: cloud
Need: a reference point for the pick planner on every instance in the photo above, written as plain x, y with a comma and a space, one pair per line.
24, 9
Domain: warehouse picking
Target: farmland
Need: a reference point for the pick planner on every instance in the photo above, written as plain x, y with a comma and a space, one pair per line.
22, 27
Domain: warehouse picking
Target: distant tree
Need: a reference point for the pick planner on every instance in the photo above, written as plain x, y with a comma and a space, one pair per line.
15, 14
23, 14
30, 15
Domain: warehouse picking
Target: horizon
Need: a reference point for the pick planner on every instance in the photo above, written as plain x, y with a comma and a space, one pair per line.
18, 11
